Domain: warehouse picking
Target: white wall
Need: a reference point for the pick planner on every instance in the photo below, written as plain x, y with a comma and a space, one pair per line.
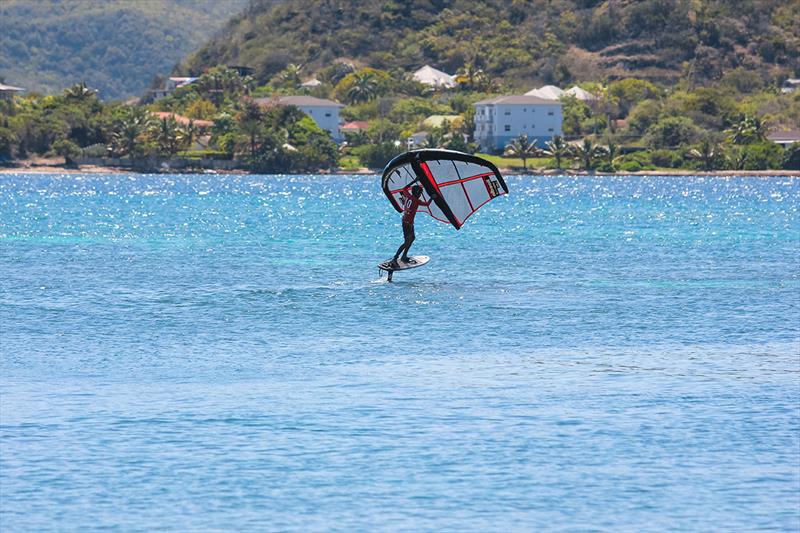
497, 124
326, 118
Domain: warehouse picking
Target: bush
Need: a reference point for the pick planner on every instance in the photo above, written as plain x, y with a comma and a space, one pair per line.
606, 166
377, 155
764, 155
67, 149
667, 158
672, 132
95, 150
630, 166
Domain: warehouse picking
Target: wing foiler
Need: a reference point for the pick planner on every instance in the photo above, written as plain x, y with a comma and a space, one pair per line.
462, 182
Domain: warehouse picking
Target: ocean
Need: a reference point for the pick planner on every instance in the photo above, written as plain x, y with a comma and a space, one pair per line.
219, 353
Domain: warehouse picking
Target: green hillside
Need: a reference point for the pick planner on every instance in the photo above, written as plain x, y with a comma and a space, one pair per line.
116, 46
517, 42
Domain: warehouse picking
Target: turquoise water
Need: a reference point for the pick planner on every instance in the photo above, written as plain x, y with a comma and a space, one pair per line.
196, 353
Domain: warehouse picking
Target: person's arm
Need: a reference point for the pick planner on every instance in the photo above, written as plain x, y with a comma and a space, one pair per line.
426, 204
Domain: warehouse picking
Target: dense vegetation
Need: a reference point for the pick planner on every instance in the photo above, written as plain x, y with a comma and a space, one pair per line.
682, 111
77, 123
116, 46
520, 43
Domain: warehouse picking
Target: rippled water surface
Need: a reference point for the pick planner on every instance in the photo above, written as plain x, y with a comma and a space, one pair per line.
196, 353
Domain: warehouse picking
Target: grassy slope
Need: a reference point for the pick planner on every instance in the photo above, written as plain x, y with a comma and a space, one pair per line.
116, 46
519, 42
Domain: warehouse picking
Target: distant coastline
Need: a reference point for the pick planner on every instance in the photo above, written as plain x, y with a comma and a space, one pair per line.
57, 167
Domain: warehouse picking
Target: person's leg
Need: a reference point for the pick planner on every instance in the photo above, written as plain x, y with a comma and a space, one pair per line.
409, 241
405, 243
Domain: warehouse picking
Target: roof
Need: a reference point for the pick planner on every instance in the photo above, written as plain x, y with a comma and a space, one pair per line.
314, 82
355, 125
519, 99
437, 121
580, 94
10, 88
431, 76
548, 92
300, 101
184, 121
784, 136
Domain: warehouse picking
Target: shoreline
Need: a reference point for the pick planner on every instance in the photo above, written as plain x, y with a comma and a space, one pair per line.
48, 168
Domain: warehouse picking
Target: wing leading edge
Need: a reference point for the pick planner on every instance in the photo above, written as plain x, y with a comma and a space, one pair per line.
462, 182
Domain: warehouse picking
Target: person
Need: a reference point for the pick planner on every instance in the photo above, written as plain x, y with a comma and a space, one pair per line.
411, 203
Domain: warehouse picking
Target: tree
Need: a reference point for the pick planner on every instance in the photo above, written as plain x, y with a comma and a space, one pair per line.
747, 130
290, 76
249, 121
672, 132
471, 78
631, 91
522, 147
129, 132
363, 89
168, 136
79, 93
586, 153
706, 152
558, 149
67, 149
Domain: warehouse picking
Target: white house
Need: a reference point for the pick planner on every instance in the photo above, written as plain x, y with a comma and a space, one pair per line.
8, 91
501, 119
170, 84
324, 112
435, 78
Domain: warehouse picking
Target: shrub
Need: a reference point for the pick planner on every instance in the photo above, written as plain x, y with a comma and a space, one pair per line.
377, 155
763, 156
630, 166
95, 150
66, 148
672, 132
667, 158
605, 166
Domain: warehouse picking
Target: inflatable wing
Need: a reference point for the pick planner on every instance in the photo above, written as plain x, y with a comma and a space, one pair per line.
462, 182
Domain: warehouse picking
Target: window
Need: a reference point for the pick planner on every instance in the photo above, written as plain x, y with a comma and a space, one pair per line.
328, 114
550, 113
507, 127
550, 129
508, 112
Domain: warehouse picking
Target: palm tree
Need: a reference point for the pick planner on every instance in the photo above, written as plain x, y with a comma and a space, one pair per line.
127, 138
611, 153
749, 129
586, 153
168, 136
557, 148
706, 152
471, 78
363, 89
79, 92
290, 77
523, 148
435, 139
250, 123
